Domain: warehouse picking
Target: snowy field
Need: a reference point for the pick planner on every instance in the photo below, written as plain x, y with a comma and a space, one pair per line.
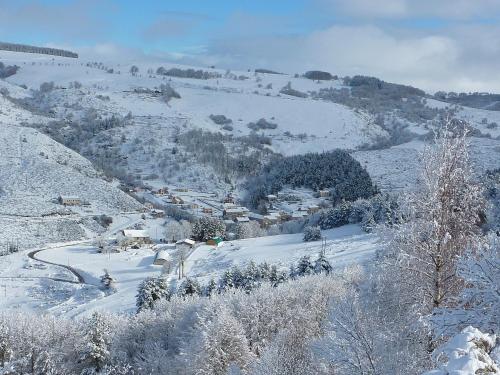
25, 279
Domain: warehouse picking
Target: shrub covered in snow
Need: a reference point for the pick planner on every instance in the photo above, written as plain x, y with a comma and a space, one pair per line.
220, 119
287, 90
7, 70
312, 234
466, 353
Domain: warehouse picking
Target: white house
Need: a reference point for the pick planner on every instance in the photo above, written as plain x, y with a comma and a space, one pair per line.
136, 235
68, 200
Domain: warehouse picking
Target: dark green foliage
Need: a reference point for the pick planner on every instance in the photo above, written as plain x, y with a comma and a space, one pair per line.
318, 75
187, 73
336, 170
312, 234
206, 228
262, 124
220, 119
266, 71
151, 290
189, 287
379, 97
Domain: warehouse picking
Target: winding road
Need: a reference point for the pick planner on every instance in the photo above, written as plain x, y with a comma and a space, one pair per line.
79, 277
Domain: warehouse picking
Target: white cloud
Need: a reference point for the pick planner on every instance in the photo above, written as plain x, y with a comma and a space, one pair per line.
462, 59
448, 9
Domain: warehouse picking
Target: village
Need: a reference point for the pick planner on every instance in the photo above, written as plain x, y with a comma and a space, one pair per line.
150, 231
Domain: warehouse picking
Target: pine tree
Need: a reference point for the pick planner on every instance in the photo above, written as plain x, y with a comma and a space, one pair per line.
206, 228
322, 265
264, 271
224, 343
251, 277
305, 267
276, 276
312, 234
210, 288
189, 287
5, 344
151, 290
106, 280
226, 281
98, 341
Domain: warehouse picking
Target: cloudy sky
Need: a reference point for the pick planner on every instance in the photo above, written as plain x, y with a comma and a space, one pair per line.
432, 44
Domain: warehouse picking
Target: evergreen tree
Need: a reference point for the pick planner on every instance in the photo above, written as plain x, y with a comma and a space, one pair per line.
322, 265
264, 271
206, 228
276, 276
5, 344
312, 234
210, 288
226, 281
189, 287
305, 267
107, 281
98, 342
151, 290
251, 277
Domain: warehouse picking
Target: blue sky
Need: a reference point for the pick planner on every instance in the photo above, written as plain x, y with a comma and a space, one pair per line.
451, 44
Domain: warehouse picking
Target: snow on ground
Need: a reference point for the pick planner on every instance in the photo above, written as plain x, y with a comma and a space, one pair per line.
397, 168
345, 245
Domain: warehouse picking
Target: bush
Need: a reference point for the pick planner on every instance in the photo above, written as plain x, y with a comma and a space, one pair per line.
7, 70
312, 234
220, 119
262, 124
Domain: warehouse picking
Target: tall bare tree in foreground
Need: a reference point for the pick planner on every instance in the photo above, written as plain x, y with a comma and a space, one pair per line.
444, 217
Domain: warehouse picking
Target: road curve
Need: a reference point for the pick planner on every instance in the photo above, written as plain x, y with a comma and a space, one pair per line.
79, 277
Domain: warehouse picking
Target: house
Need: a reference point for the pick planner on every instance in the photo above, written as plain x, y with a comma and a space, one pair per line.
216, 241
177, 200
324, 193
229, 199
298, 215
162, 191
194, 206
207, 210
185, 244
242, 219
68, 200
157, 213
312, 209
182, 190
136, 235
272, 197
148, 205
234, 212
161, 258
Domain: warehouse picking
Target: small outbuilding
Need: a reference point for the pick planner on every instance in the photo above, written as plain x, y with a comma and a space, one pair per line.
161, 258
